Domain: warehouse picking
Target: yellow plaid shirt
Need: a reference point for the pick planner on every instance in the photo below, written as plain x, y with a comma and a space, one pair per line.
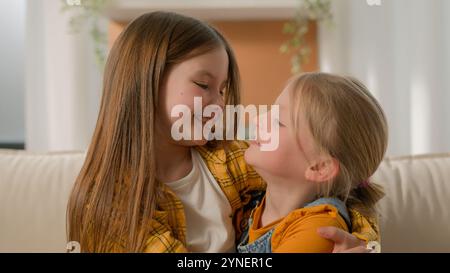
239, 183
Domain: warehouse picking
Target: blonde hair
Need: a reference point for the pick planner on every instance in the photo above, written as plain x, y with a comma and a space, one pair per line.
116, 192
347, 123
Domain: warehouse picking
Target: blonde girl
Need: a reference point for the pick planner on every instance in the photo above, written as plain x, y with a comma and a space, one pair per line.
333, 136
141, 191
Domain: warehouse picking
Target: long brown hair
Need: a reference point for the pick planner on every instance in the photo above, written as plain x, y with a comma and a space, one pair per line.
116, 191
349, 124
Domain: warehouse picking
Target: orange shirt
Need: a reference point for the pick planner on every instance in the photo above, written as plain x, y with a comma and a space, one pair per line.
297, 232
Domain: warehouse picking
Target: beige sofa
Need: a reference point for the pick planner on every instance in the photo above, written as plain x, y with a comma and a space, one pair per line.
34, 189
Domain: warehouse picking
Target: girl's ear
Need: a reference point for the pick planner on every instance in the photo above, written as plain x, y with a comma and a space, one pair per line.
322, 171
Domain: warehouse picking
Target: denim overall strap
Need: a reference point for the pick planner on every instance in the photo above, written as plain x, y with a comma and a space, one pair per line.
261, 245
340, 206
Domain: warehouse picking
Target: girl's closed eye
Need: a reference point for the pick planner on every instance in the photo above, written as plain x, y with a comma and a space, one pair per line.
206, 87
202, 85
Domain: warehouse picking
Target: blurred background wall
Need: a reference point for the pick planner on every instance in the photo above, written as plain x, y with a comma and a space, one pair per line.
12, 73
401, 51
50, 85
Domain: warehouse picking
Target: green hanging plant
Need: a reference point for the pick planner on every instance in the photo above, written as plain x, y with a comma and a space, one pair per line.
88, 13
298, 27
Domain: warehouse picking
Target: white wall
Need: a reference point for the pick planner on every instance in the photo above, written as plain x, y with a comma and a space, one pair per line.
12, 70
401, 51
63, 82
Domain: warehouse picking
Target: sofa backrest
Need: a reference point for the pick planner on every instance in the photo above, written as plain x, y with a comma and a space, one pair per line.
34, 190
415, 214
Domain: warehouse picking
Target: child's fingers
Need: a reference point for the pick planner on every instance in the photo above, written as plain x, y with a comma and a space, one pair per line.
343, 241
333, 233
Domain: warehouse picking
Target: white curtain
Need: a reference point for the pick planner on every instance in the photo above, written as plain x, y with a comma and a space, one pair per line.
401, 51
62, 81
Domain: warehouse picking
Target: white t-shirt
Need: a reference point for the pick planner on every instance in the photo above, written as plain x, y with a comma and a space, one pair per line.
207, 210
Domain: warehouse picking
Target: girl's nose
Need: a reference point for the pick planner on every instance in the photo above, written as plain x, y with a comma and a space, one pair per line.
258, 123
263, 122
219, 100
252, 128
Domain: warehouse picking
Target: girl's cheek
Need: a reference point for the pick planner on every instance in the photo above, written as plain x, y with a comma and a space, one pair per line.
278, 161
288, 146
182, 97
